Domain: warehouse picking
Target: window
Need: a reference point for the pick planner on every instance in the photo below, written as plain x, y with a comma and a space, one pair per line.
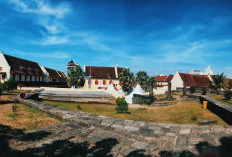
3, 77
20, 77
96, 82
111, 81
0, 68
104, 82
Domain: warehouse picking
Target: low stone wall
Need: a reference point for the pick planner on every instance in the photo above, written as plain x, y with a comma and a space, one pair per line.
142, 99
148, 136
222, 110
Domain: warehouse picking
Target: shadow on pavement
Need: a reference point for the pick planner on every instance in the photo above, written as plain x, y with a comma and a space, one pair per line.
101, 148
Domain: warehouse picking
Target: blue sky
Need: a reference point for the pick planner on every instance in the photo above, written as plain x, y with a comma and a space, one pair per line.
158, 36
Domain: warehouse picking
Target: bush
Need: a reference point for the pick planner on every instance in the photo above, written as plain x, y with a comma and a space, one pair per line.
14, 108
204, 91
122, 106
79, 107
228, 94
0, 91
192, 89
9, 85
194, 118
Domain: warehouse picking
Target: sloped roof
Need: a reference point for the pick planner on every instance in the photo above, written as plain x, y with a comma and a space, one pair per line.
163, 78
228, 83
54, 74
23, 67
195, 80
102, 72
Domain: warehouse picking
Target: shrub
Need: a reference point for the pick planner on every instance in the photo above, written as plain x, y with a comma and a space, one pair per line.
79, 107
14, 108
192, 89
194, 118
204, 91
228, 94
122, 106
0, 91
9, 85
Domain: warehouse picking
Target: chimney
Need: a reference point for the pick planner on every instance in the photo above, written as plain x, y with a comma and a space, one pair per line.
116, 69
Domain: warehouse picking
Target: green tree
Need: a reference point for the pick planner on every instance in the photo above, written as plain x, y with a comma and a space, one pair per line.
142, 78
151, 83
9, 85
76, 77
127, 80
1, 89
218, 83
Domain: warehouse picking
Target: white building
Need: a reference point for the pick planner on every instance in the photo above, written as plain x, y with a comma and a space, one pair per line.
27, 72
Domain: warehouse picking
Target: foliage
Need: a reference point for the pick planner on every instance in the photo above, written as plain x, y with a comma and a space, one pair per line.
142, 78
9, 85
192, 89
76, 77
194, 118
79, 107
227, 94
218, 83
0, 91
204, 91
127, 80
122, 105
14, 108
151, 83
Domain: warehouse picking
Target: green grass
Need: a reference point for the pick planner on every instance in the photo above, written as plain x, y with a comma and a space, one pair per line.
179, 113
13, 115
31, 110
220, 98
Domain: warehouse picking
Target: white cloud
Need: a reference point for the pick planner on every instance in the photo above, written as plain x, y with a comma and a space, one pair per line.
46, 15
53, 40
40, 7
52, 55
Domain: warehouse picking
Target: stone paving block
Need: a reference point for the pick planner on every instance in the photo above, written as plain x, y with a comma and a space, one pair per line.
117, 126
107, 122
139, 145
182, 141
131, 128
184, 131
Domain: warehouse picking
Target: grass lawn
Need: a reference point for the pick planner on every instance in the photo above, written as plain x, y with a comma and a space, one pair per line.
220, 98
179, 113
25, 117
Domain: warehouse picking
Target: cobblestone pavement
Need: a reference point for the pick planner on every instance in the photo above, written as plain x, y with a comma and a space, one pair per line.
91, 135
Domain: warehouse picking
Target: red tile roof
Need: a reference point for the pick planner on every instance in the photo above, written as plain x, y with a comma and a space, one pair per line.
23, 67
102, 72
195, 80
228, 83
54, 74
163, 78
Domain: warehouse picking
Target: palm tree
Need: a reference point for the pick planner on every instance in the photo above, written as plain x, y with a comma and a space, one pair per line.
218, 83
127, 80
76, 77
151, 83
141, 78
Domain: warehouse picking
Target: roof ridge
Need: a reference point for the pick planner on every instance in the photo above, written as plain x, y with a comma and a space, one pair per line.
20, 58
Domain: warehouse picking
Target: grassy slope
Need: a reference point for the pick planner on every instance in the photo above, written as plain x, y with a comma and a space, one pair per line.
25, 117
220, 98
179, 113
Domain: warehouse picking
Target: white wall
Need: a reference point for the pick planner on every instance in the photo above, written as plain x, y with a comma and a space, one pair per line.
177, 81
5, 66
46, 79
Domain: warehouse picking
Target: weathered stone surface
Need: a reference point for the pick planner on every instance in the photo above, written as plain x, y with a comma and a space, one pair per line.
124, 136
